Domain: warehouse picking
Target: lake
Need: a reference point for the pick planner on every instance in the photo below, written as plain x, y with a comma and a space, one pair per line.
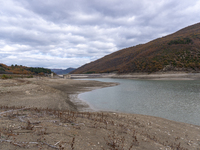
173, 100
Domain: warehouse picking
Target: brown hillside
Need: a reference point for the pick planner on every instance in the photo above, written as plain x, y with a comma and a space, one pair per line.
179, 51
19, 69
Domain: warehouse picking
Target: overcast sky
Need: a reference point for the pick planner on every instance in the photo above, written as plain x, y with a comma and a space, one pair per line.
70, 33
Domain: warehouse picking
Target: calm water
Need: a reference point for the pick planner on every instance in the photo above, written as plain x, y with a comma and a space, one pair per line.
174, 100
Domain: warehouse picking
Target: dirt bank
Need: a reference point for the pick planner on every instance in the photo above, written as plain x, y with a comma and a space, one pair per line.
160, 76
170, 75
45, 92
61, 126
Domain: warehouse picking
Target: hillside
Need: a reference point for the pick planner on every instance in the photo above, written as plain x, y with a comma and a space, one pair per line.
19, 69
179, 51
62, 71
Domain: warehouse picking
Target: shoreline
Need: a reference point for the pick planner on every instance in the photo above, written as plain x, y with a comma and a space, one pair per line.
88, 107
44, 92
98, 127
162, 76
83, 105
152, 76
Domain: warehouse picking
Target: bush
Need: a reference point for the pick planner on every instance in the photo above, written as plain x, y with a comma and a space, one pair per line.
2, 69
90, 72
181, 41
39, 70
5, 77
31, 76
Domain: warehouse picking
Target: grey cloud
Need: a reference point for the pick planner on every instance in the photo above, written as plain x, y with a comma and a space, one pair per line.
76, 32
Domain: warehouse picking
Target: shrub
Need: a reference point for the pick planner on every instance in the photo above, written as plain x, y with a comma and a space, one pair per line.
5, 77
2, 69
90, 72
31, 76
181, 41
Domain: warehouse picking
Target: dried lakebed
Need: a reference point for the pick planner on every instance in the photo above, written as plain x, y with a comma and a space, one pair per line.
62, 126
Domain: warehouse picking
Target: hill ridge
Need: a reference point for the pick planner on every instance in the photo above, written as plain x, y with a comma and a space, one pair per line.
179, 51
19, 69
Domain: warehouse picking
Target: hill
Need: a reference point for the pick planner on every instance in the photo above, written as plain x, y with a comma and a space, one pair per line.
179, 51
61, 71
19, 69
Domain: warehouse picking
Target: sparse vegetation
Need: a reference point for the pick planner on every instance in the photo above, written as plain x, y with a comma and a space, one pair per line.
11, 76
6, 77
31, 76
181, 41
2, 69
90, 72
120, 136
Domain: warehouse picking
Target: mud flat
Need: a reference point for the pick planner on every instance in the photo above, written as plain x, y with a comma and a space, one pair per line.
26, 123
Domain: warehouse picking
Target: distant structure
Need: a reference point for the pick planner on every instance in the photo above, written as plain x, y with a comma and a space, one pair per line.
68, 76
51, 75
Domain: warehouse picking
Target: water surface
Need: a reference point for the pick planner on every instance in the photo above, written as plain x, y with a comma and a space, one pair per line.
174, 100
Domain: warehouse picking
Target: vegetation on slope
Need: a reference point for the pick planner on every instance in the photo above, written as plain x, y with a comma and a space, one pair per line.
16, 69
176, 52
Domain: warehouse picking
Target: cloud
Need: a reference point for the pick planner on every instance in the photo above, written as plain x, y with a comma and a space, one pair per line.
63, 33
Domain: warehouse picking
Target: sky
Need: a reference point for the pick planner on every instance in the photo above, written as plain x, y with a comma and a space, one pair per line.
71, 33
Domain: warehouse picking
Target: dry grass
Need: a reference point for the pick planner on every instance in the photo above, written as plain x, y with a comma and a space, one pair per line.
33, 128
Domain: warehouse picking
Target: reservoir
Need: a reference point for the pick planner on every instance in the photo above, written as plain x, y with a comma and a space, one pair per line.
173, 100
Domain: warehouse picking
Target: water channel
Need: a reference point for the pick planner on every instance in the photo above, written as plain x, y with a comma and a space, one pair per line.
174, 100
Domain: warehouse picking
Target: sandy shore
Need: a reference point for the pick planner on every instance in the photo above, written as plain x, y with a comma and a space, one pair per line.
63, 126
